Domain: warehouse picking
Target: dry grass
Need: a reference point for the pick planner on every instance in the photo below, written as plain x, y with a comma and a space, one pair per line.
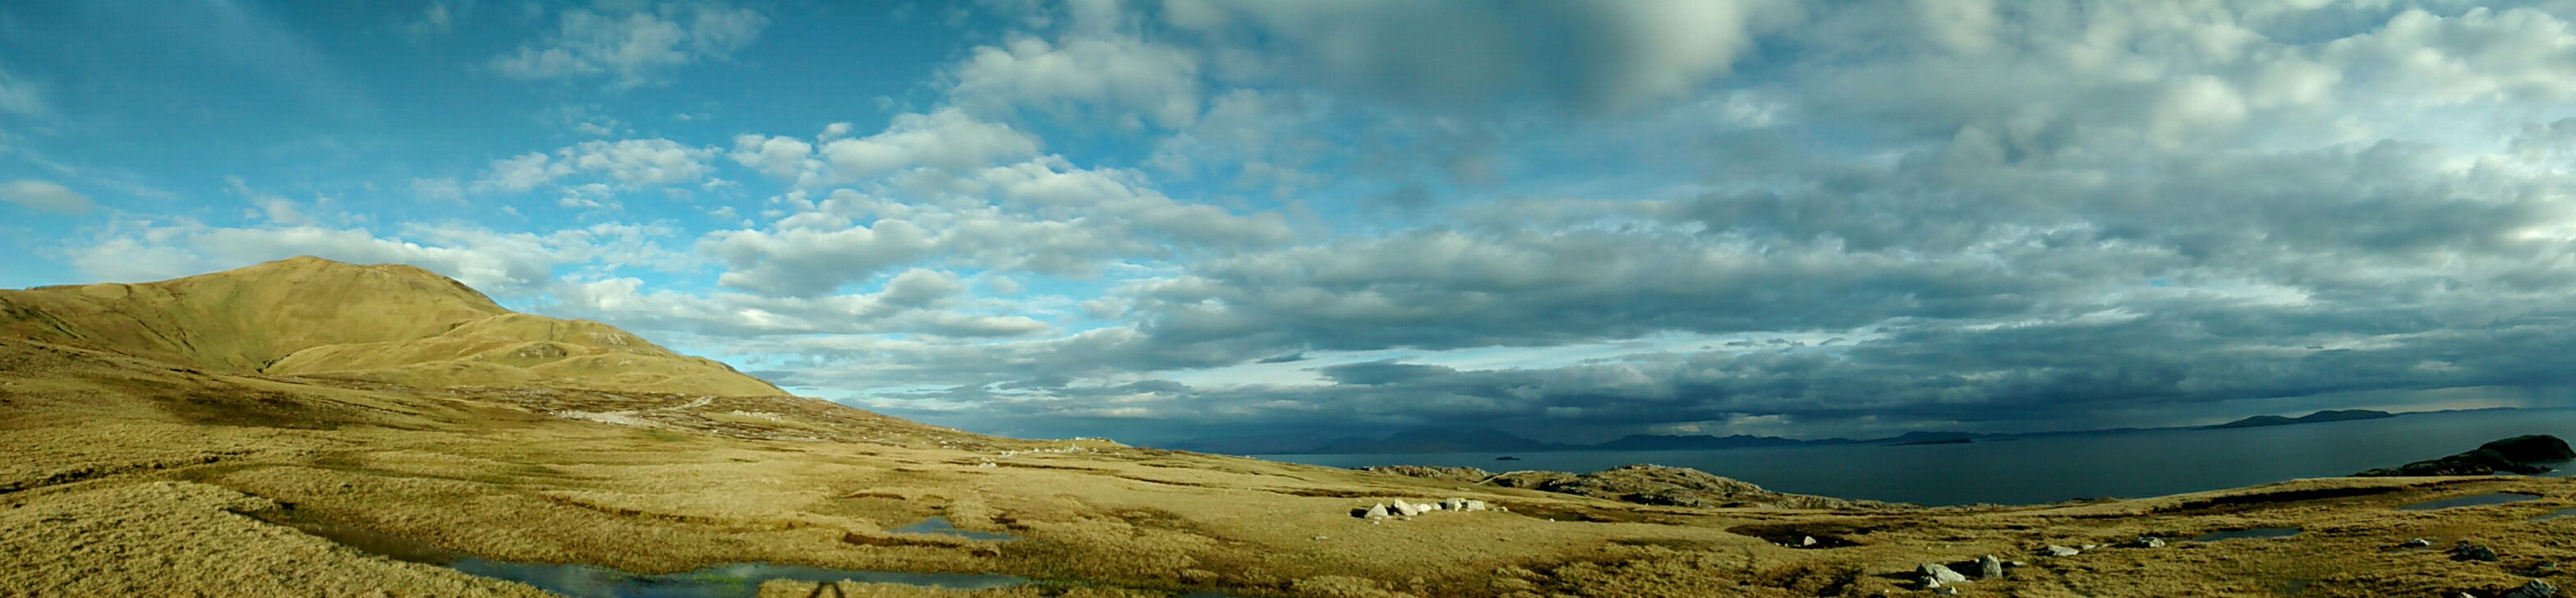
137, 476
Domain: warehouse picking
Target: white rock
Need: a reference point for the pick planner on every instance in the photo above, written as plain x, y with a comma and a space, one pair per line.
2055, 550
1454, 504
1475, 505
1806, 540
1939, 572
1377, 512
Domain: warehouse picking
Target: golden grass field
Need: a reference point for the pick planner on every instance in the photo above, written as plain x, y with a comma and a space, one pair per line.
176, 438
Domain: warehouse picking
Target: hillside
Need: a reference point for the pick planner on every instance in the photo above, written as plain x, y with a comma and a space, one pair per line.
225, 435
392, 324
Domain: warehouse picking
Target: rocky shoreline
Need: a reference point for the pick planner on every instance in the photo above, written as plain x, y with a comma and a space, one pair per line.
1641, 484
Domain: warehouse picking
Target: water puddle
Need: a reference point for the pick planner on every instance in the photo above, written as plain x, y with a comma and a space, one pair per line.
939, 525
2260, 532
2491, 498
2555, 514
736, 580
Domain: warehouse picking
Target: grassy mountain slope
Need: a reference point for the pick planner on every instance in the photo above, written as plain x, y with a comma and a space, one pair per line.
384, 323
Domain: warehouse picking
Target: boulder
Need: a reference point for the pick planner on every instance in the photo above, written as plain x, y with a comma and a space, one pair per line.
1475, 505
1404, 508
2532, 448
2055, 550
1806, 540
2473, 552
1939, 573
1376, 512
2531, 589
1989, 567
1454, 504
2147, 542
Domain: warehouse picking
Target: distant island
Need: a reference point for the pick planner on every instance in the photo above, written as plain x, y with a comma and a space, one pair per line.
2321, 416
1488, 440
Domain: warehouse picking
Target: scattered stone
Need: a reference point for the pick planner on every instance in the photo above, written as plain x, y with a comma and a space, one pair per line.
2473, 552
1807, 541
2417, 543
2147, 542
1946, 591
2090, 546
1940, 573
1377, 512
2055, 550
2016, 564
2533, 589
1454, 504
1402, 508
1928, 582
1475, 505
1989, 567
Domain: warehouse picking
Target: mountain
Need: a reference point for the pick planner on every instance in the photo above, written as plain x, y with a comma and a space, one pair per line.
2318, 417
395, 324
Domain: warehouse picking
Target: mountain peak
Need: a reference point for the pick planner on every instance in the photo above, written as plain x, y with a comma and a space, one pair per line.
390, 323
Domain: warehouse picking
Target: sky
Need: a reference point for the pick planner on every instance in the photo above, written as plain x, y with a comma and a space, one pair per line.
1154, 220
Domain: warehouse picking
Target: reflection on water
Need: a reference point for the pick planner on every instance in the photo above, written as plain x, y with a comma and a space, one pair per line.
939, 525
737, 580
2260, 532
2491, 498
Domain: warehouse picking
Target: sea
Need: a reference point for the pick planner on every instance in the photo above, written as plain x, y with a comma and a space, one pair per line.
2046, 469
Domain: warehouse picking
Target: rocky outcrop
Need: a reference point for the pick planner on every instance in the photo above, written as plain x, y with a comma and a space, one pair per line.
2519, 454
1463, 474
2532, 589
1409, 509
1671, 486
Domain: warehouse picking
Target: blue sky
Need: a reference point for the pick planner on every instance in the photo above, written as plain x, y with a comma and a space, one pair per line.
1163, 219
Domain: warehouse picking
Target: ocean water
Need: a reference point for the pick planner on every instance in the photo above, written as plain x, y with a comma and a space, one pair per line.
2053, 468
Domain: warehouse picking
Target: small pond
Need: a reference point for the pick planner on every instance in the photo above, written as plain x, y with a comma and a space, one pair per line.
2491, 498
2260, 532
939, 525
735, 580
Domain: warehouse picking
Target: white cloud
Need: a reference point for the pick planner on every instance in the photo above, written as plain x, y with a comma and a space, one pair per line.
23, 98
1120, 74
641, 163
45, 197
521, 173
636, 46
438, 189
503, 264
946, 139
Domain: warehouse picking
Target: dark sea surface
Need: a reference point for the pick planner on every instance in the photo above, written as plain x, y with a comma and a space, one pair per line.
2048, 469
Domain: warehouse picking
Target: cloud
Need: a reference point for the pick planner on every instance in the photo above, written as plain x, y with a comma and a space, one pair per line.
1041, 216
45, 197
1598, 56
1135, 79
20, 97
509, 265
438, 189
633, 163
634, 48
